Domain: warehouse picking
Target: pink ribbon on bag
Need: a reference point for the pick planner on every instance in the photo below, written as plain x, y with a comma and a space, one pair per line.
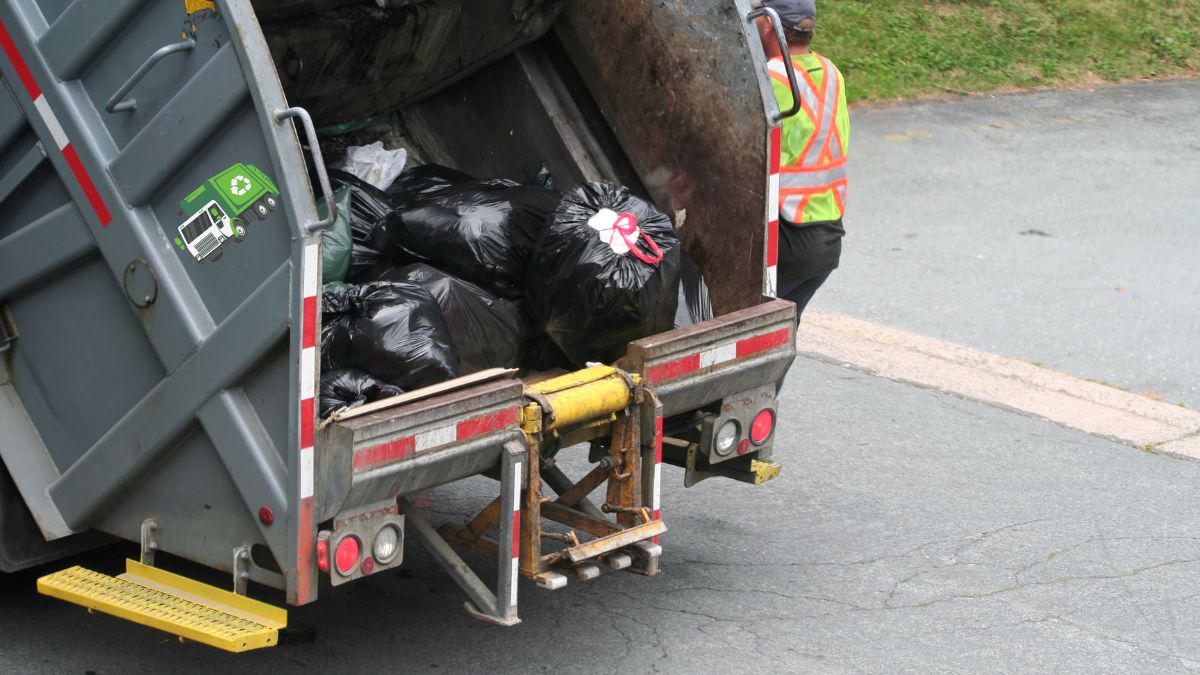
626, 225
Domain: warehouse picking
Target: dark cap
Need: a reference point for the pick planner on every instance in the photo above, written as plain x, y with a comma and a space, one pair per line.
792, 12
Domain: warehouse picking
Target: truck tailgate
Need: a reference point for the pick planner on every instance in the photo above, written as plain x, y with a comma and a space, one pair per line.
690, 367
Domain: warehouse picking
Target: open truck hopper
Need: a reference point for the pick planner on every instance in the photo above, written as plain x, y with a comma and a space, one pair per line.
160, 289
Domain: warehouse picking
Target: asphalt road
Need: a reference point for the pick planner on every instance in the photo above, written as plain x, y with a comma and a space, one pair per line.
911, 531
1060, 227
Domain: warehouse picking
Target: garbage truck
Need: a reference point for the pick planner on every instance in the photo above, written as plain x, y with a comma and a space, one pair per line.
216, 209
150, 398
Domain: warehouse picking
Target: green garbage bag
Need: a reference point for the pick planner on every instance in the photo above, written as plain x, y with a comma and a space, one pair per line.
336, 239
335, 287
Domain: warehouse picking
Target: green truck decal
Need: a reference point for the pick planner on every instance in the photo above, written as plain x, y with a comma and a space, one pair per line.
220, 209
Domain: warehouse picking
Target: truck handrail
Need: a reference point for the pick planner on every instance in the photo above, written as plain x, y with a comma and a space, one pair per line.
115, 104
777, 25
314, 146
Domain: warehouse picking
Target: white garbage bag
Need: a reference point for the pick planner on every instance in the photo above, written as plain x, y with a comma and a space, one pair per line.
374, 164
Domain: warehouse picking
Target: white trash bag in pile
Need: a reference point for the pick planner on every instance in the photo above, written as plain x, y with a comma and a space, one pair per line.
374, 164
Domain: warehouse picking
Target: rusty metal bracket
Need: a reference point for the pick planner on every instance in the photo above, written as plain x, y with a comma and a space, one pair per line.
499, 608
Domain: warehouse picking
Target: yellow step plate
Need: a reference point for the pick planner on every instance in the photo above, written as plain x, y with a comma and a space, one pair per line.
171, 603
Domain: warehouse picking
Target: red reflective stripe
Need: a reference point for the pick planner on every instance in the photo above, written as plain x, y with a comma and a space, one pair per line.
89, 188
304, 552
402, 447
34, 91
776, 144
516, 544
666, 371
487, 423
386, 452
773, 243
658, 440
307, 409
18, 62
309, 321
760, 343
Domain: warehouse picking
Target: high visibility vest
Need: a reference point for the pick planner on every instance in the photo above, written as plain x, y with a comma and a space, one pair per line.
812, 187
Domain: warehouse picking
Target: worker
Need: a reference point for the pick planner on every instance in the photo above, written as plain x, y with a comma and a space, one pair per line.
813, 149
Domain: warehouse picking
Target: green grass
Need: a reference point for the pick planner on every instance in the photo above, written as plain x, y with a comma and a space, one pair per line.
905, 49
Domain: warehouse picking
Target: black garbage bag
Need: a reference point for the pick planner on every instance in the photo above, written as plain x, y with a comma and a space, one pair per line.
370, 253
350, 388
479, 231
541, 354
425, 180
605, 273
488, 332
393, 331
694, 304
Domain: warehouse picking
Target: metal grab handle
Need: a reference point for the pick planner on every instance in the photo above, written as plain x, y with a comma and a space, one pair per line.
310, 132
787, 61
115, 104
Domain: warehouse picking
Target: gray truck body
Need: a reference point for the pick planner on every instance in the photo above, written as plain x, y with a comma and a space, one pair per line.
138, 386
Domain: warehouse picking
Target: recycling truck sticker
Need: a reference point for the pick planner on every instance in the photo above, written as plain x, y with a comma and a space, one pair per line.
222, 207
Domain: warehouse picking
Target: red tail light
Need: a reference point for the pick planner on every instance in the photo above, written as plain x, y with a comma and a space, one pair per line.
346, 556
764, 424
323, 553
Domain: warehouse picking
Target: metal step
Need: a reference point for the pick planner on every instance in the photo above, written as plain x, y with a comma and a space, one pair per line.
171, 603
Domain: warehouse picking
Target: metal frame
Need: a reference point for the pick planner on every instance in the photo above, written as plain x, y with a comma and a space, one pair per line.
201, 383
560, 417
500, 607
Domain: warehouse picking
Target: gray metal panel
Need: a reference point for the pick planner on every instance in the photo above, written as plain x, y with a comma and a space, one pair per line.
180, 129
38, 195
42, 247
50, 9
81, 366
288, 161
17, 166
82, 31
12, 120
200, 516
77, 384
139, 439
253, 461
22, 451
243, 265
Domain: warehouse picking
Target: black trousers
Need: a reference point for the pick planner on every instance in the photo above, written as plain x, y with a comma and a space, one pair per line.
799, 291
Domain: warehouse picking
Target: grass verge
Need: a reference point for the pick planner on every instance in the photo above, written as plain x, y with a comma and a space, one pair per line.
901, 50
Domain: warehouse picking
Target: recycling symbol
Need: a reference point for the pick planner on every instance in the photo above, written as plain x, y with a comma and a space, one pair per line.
240, 185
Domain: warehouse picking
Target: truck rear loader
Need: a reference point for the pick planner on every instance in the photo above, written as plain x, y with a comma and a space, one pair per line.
158, 384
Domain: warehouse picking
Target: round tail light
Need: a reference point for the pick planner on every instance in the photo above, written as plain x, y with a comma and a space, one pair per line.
346, 555
764, 424
727, 438
387, 543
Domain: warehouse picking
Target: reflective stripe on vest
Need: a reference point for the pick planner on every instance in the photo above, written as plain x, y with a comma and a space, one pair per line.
820, 167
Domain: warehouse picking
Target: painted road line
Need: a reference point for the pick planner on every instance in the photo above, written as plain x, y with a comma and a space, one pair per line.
1060, 397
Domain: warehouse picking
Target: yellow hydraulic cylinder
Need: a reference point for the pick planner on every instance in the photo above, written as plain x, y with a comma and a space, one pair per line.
584, 395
